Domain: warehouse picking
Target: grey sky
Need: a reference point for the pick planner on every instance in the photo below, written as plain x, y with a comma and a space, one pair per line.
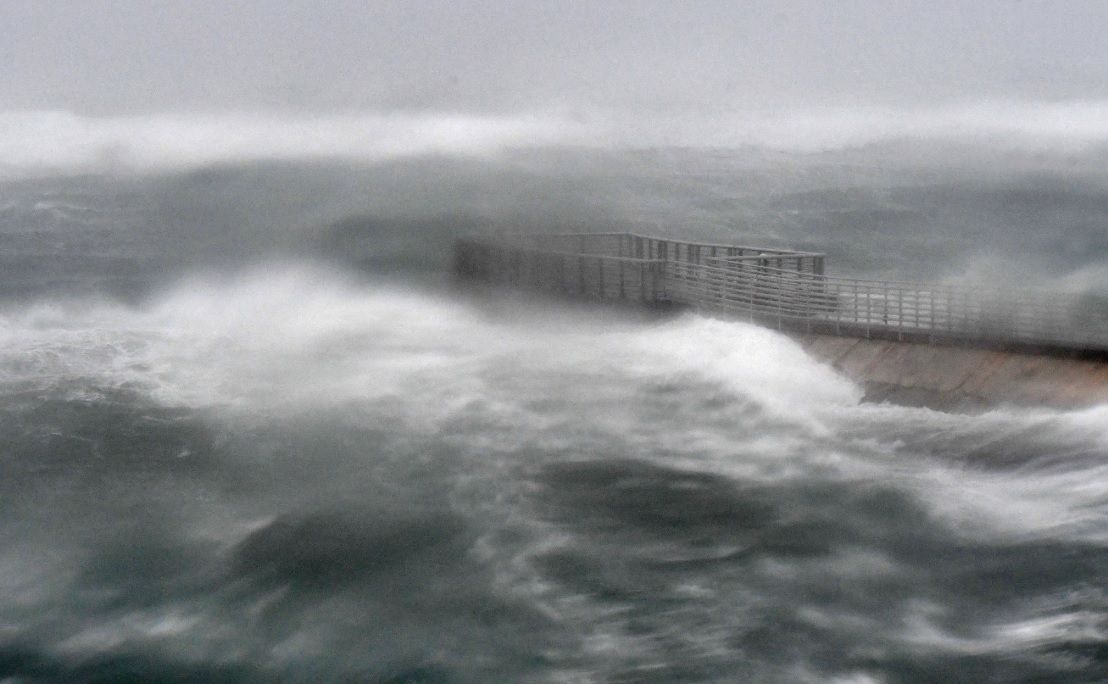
98, 57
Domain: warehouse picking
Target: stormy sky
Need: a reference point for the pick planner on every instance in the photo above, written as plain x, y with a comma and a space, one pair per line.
101, 57
140, 83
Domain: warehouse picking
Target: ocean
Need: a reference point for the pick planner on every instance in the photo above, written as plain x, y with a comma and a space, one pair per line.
231, 450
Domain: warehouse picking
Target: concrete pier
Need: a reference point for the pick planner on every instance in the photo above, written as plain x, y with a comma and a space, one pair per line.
912, 343
961, 378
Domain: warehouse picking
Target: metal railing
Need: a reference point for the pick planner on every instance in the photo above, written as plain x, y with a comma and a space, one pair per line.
902, 310
784, 288
593, 276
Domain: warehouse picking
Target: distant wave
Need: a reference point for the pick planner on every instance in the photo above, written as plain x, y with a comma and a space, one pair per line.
1064, 126
64, 142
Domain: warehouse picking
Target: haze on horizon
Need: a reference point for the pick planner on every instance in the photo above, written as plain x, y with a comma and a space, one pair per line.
141, 84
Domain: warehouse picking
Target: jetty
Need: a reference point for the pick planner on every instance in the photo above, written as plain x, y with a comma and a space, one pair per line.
1002, 333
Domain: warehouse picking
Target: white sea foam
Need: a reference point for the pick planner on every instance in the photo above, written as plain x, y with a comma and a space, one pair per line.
748, 360
295, 336
1014, 474
286, 340
290, 339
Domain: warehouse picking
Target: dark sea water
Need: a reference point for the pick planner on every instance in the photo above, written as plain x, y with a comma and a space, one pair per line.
228, 453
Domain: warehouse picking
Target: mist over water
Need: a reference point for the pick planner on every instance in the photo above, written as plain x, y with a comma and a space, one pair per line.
237, 449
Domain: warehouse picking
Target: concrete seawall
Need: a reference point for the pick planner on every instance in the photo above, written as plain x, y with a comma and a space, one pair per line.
961, 378
918, 344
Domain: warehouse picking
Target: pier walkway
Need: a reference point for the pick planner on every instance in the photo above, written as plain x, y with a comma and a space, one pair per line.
785, 289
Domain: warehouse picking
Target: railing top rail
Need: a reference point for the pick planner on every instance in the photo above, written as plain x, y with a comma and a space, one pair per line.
578, 255
766, 257
561, 235
769, 251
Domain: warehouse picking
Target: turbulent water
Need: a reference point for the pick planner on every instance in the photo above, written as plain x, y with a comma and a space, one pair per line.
224, 457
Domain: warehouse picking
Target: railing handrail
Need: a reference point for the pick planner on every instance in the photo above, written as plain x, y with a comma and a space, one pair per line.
575, 255
771, 252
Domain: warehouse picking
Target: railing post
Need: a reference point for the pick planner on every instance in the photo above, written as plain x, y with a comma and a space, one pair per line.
838, 311
857, 310
931, 328
900, 313
753, 275
885, 307
869, 311
780, 297
949, 314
